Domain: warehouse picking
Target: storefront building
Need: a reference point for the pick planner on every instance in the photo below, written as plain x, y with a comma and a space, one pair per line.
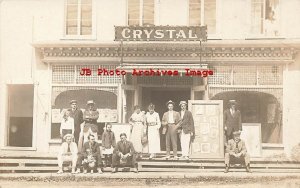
252, 50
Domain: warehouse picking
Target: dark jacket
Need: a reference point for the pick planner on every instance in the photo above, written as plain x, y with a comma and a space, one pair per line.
232, 122
77, 115
90, 118
108, 139
187, 123
95, 149
124, 149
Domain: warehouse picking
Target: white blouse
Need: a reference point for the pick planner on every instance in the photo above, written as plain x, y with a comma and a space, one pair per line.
67, 124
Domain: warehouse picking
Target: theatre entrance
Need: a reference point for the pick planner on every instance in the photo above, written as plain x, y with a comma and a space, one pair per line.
159, 96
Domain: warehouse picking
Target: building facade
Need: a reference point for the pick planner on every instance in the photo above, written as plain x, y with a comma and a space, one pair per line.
252, 48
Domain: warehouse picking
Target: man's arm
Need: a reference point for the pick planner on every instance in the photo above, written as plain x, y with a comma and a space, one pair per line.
97, 152
244, 149
80, 116
229, 148
192, 123
132, 151
240, 121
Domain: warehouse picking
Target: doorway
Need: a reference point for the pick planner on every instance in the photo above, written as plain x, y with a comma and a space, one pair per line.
159, 97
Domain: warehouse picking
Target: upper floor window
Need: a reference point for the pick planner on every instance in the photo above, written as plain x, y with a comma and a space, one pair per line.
265, 17
141, 12
203, 12
78, 18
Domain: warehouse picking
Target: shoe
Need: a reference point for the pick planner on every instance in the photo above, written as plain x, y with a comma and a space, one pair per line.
73, 171
114, 170
84, 171
59, 172
100, 171
77, 171
167, 157
248, 169
151, 156
186, 158
176, 157
226, 169
135, 170
92, 171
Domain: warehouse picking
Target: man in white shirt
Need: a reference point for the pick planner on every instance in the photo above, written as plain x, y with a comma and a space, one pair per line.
170, 121
68, 152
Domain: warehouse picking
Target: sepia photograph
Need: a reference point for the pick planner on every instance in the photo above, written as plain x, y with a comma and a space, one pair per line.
149, 93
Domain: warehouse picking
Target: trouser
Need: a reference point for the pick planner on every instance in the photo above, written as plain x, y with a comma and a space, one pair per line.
131, 160
171, 138
85, 165
230, 159
185, 143
62, 158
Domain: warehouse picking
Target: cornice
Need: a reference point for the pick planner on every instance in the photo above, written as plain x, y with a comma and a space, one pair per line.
189, 51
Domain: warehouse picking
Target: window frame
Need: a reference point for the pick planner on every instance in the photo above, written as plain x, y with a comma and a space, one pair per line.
141, 12
78, 36
263, 34
215, 35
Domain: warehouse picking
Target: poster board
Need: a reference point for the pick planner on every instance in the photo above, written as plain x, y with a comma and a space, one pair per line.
119, 128
209, 134
251, 134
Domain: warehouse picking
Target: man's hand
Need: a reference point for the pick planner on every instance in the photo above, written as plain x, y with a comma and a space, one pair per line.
225, 128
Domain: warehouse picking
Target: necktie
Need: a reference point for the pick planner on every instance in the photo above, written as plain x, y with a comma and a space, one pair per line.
69, 150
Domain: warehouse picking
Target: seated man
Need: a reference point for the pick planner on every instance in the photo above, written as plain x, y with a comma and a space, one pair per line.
90, 156
68, 152
124, 154
236, 152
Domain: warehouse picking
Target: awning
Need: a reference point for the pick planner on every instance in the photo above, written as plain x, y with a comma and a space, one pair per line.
129, 67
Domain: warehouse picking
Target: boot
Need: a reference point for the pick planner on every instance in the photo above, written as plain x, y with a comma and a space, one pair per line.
226, 169
248, 169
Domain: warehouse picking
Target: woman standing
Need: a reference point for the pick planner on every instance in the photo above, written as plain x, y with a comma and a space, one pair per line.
137, 122
153, 123
67, 124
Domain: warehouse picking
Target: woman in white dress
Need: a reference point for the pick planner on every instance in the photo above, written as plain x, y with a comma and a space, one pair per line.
153, 123
137, 122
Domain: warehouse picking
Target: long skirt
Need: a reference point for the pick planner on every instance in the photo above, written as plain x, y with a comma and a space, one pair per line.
136, 136
153, 139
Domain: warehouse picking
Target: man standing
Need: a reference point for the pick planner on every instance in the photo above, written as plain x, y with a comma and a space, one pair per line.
188, 129
90, 117
236, 152
170, 121
232, 120
124, 153
68, 152
77, 115
90, 156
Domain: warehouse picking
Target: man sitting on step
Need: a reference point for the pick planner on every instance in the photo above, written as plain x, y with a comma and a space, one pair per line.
124, 154
68, 152
236, 152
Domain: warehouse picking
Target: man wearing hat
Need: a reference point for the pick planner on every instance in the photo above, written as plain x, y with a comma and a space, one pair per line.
236, 152
171, 122
68, 152
232, 120
90, 117
188, 129
77, 115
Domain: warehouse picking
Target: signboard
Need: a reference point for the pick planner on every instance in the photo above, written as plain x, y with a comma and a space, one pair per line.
251, 134
161, 33
208, 121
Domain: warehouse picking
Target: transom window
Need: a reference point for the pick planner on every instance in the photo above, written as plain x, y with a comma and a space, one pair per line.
141, 12
78, 18
203, 12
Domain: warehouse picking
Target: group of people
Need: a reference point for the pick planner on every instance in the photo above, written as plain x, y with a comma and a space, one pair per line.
80, 133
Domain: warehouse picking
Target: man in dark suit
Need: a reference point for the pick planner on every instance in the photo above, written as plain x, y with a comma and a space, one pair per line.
232, 120
90, 156
77, 115
188, 129
171, 122
124, 153
236, 152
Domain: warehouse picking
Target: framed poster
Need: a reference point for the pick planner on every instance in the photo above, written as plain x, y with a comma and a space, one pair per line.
208, 121
251, 134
